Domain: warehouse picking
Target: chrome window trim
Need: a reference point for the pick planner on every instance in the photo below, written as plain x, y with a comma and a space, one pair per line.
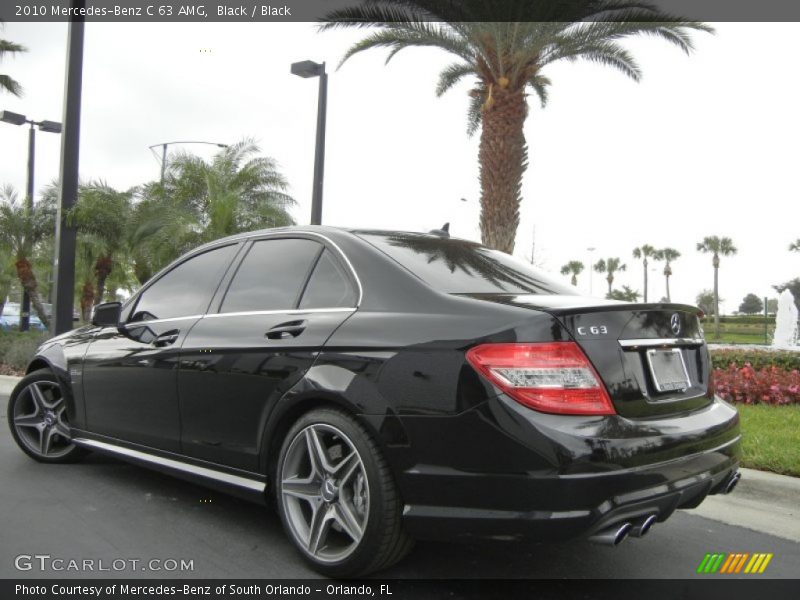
138, 323
244, 482
288, 311
279, 234
650, 342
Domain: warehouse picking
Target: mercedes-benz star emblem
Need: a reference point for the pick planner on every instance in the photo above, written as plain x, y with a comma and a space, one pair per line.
675, 323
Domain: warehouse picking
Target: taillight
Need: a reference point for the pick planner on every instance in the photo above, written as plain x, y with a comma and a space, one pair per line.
553, 377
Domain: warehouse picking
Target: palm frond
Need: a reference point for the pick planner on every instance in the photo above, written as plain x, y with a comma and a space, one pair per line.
451, 75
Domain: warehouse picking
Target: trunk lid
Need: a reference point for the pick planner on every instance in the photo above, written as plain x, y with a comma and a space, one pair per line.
652, 358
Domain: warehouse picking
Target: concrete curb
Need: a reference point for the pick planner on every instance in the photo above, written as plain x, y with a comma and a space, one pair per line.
762, 501
7, 383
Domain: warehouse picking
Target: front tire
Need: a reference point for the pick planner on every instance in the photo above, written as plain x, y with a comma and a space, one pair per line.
37, 417
337, 498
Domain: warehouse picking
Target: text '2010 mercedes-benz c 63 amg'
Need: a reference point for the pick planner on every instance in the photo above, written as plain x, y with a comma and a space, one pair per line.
380, 387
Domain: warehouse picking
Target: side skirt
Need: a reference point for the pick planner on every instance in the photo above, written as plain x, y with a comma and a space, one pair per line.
205, 474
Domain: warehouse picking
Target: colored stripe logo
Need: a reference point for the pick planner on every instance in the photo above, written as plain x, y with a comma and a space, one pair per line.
735, 562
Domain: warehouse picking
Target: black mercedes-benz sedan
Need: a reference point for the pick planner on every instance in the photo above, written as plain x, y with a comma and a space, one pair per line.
379, 387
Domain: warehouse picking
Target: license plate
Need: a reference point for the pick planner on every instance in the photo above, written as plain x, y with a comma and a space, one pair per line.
668, 370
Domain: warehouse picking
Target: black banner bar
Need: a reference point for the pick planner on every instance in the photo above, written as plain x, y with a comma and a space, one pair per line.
733, 588
171, 11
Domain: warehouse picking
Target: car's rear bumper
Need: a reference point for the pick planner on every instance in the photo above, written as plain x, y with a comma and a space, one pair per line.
550, 477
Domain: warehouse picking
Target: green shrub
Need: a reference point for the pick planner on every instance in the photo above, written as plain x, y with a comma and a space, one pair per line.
759, 359
739, 320
17, 348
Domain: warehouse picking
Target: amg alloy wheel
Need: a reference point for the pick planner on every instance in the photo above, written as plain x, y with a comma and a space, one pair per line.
337, 498
38, 421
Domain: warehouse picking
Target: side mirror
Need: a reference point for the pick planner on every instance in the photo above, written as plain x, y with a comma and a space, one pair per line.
107, 314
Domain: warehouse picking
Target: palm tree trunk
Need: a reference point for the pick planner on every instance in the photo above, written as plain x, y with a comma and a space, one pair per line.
669, 298
645, 281
102, 269
503, 158
28, 281
610, 280
87, 300
574, 279
716, 302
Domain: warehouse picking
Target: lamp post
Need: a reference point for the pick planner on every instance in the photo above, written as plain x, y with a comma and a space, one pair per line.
13, 118
164, 151
591, 250
66, 234
306, 69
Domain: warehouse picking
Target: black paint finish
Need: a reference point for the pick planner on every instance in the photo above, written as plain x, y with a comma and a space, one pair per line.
221, 389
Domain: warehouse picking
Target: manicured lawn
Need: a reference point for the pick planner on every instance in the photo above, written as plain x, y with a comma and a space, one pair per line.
771, 438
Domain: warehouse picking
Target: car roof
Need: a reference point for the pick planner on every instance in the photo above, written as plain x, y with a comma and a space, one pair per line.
324, 230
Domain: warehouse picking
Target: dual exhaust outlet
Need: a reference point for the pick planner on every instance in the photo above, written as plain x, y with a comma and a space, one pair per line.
614, 535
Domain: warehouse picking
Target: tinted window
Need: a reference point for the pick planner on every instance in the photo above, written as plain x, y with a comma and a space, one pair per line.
463, 267
329, 286
271, 276
185, 290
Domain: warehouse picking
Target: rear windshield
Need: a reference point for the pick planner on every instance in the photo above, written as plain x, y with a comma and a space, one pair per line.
462, 267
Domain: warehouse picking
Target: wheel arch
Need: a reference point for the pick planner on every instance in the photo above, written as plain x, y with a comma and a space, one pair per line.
294, 406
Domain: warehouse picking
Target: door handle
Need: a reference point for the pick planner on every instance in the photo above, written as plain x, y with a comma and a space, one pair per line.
166, 338
286, 330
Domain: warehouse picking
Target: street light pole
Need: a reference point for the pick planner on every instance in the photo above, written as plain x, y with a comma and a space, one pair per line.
25, 306
308, 68
164, 152
64, 281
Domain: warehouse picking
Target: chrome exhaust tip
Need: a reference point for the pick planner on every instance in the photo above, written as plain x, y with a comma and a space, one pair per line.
643, 526
732, 483
612, 536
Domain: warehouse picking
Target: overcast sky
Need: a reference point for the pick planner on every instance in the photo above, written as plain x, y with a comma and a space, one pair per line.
704, 145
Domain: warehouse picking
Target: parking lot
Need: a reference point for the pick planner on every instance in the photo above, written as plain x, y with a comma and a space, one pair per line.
106, 509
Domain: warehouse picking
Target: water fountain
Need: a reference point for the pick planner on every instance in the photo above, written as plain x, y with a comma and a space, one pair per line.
785, 322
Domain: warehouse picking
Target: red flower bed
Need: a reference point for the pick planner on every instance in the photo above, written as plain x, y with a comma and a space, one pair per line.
769, 385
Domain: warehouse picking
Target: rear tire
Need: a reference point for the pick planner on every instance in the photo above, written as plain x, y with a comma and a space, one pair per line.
337, 498
37, 418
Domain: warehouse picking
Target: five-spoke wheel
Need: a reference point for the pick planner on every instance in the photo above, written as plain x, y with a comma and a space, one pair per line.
38, 419
336, 496
324, 492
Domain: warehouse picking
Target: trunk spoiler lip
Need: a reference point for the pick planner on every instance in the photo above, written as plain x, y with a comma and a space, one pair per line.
562, 305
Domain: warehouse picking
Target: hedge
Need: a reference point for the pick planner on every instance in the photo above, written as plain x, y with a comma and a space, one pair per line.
758, 359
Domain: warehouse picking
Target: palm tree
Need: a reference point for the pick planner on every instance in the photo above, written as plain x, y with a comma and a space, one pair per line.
609, 266
718, 247
575, 267
6, 82
506, 47
102, 213
201, 201
644, 252
795, 246
667, 255
21, 230
626, 294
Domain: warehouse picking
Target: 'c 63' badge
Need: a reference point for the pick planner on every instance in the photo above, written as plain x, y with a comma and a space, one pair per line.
593, 330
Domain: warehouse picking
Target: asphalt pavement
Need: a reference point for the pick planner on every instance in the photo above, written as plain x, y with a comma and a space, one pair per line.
104, 509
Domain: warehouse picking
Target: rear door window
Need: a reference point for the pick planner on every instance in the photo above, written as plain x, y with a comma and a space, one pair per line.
271, 276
